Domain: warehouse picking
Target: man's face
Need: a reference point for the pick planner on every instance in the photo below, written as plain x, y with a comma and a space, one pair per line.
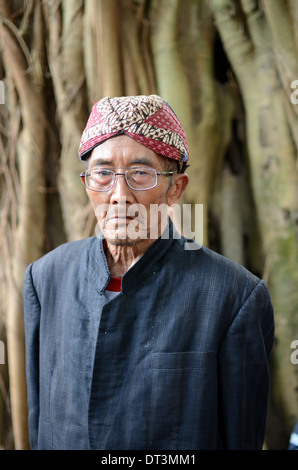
125, 216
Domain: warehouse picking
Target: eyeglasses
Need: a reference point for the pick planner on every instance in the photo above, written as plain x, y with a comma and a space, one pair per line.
139, 179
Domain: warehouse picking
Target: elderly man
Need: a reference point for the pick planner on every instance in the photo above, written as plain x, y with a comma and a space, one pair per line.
133, 341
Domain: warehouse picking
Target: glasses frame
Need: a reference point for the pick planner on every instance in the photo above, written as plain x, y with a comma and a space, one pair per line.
157, 173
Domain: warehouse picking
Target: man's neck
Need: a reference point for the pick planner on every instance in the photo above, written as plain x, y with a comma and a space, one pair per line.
121, 258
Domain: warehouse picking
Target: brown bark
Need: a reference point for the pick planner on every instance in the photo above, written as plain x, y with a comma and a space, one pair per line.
28, 240
65, 51
260, 63
112, 81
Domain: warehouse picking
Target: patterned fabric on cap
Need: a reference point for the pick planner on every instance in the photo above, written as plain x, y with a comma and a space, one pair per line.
147, 119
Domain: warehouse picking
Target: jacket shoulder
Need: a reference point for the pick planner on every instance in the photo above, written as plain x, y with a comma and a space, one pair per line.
223, 273
229, 265
200, 254
67, 254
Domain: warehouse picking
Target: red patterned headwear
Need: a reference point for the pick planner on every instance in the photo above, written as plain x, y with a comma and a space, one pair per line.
147, 119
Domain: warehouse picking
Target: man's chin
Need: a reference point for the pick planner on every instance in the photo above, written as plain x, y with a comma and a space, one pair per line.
121, 242
120, 239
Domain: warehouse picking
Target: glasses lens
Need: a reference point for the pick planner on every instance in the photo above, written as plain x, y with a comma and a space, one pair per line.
141, 178
99, 179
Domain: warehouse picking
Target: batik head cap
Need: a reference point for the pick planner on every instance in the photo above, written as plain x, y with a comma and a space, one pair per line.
147, 119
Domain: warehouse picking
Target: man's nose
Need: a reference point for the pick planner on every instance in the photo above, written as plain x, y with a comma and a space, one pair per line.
120, 190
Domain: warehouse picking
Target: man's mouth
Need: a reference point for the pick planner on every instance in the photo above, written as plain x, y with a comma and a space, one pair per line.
119, 218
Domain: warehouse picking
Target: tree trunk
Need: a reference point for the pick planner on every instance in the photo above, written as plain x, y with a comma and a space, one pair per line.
261, 61
28, 239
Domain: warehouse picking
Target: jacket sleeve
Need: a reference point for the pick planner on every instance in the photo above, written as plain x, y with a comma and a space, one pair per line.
32, 321
244, 372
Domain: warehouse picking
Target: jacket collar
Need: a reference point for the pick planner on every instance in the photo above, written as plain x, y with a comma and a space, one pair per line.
147, 265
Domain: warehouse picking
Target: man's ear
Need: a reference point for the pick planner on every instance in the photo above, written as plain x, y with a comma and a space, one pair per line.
177, 188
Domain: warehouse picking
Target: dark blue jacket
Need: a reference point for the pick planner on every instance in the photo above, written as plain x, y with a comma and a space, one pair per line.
178, 360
